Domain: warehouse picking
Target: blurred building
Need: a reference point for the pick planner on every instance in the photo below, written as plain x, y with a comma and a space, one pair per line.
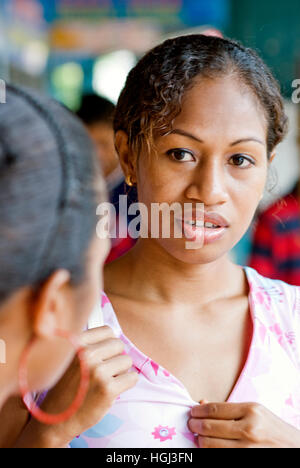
74, 46
72, 43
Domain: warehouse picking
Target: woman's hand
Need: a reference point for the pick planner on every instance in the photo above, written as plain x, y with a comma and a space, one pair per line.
109, 377
241, 425
14, 417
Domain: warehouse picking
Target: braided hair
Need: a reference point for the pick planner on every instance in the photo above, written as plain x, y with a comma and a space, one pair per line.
49, 191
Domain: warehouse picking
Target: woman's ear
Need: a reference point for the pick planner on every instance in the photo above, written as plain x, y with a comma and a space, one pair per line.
122, 148
52, 306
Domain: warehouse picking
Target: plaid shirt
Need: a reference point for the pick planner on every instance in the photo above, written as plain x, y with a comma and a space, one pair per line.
276, 241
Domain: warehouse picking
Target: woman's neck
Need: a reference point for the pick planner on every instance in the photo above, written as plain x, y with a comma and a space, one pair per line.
154, 275
4, 393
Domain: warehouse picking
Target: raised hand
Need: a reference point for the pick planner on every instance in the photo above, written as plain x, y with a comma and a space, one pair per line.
241, 425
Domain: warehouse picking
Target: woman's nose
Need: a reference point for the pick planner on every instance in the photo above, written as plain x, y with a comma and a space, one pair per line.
209, 184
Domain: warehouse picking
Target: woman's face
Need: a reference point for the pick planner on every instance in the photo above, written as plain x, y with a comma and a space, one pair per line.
215, 155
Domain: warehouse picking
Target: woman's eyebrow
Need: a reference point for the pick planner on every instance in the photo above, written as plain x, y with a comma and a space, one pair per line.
243, 140
179, 131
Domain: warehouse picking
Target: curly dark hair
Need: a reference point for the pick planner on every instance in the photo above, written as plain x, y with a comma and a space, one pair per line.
152, 96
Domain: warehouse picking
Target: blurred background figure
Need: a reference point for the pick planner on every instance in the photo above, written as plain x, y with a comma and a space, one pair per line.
97, 114
275, 251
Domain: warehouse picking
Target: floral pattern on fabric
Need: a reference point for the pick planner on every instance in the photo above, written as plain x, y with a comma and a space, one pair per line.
155, 413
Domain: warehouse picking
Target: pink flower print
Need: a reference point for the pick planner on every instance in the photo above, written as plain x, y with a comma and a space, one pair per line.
289, 401
104, 300
276, 294
138, 371
277, 330
283, 338
291, 337
262, 298
171, 379
155, 367
164, 433
262, 332
259, 297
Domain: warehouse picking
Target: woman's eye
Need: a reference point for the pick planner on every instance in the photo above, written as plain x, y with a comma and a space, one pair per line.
181, 155
242, 161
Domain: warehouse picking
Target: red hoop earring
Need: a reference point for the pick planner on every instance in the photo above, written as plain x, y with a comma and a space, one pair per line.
36, 412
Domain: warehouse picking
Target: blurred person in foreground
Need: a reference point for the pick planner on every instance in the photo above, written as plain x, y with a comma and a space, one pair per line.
51, 274
276, 240
97, 113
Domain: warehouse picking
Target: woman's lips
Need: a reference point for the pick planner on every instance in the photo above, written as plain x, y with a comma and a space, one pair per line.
213, 234
202, 234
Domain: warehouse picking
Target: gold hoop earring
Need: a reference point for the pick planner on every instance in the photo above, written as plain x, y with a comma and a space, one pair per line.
129, 181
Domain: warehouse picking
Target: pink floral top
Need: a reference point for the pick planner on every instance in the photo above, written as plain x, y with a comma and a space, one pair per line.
155, 413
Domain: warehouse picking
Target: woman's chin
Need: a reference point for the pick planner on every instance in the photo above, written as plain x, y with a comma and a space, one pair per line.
193, 253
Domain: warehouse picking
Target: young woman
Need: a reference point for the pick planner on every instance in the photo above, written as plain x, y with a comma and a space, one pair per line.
50, 260
198, 122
